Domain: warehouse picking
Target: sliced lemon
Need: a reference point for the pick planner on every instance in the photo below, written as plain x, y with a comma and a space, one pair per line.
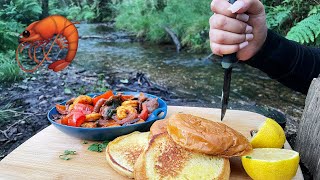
271, 164
270, 135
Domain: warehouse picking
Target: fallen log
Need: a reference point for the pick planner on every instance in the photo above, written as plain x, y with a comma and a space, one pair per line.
96, 37
174, 38
308, 136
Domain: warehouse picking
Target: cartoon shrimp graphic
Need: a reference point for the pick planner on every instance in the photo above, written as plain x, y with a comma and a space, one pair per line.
40, 33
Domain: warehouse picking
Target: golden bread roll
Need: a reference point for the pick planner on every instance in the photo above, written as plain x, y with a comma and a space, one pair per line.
158, 127
164, 159
204, 136
122, 152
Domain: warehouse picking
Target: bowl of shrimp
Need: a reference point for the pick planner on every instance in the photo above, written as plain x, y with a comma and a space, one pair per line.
105, 116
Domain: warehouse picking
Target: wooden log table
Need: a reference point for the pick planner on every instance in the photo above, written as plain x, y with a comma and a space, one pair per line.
38, 157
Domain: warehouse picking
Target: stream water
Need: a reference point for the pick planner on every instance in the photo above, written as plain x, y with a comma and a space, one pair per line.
188, 75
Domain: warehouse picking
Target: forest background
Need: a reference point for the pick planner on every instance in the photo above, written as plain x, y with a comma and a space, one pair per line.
297, 20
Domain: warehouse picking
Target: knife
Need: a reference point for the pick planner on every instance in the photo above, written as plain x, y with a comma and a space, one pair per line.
227, 64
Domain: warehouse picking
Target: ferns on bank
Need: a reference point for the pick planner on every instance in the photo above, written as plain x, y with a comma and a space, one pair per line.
24, 11
306, 31
9, 31
296, 19
85, 12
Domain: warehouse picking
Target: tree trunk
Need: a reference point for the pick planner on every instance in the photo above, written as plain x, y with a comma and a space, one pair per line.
174, 38
308, 136
45, 8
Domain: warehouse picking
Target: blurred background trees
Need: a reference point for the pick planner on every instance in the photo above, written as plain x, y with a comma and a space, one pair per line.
298, 20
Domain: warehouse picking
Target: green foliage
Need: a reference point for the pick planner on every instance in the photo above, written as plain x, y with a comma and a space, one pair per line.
277, 15
314, 10
24, 11
306, 31
105, 10
9, 31
297, 19
9, 70
148, 19
83, 12
189, 20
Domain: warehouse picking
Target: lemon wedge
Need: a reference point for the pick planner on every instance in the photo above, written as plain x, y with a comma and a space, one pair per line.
271, 164
270, 135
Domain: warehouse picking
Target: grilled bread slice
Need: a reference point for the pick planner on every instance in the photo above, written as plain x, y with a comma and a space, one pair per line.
122, 152
164, 159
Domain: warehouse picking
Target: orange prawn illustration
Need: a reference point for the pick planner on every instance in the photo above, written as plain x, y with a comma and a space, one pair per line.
40, 33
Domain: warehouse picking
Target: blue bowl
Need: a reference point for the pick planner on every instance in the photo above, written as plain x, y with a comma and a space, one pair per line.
109, 133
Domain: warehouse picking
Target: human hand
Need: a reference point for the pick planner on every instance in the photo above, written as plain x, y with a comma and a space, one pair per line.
240, 28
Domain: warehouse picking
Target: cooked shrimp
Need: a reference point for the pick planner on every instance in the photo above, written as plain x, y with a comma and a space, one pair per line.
132, 103
124, 111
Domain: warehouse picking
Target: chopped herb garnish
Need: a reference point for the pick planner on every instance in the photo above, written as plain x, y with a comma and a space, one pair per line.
249, 157
65, 154
64, 157
69, 152
98, 147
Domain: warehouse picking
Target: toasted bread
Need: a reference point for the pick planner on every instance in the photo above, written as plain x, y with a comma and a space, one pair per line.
204, 136
122, 152
164, 159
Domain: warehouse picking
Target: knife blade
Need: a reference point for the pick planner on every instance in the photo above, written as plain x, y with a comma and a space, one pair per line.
227, 64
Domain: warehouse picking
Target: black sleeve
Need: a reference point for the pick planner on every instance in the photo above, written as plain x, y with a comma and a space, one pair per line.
290, 63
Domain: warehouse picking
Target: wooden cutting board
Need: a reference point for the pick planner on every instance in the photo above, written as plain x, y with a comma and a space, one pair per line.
38, 158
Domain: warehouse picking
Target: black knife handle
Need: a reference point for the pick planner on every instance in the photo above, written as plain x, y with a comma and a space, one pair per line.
229, 59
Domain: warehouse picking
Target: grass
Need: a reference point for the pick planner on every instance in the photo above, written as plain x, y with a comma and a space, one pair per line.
9, 70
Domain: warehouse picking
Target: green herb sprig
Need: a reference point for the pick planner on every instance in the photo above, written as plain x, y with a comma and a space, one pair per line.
98, 147
66, 153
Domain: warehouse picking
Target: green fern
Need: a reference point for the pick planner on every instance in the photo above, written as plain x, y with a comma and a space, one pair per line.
9, 31
276, 16
87, 13
306, 31
25, 11
314, 10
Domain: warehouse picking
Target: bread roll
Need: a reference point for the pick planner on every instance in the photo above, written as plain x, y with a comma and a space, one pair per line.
204, 136
158, 127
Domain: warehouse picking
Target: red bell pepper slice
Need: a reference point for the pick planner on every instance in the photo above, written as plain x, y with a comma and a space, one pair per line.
76, 118
144, 113
84, 108
64, 119
105, 95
